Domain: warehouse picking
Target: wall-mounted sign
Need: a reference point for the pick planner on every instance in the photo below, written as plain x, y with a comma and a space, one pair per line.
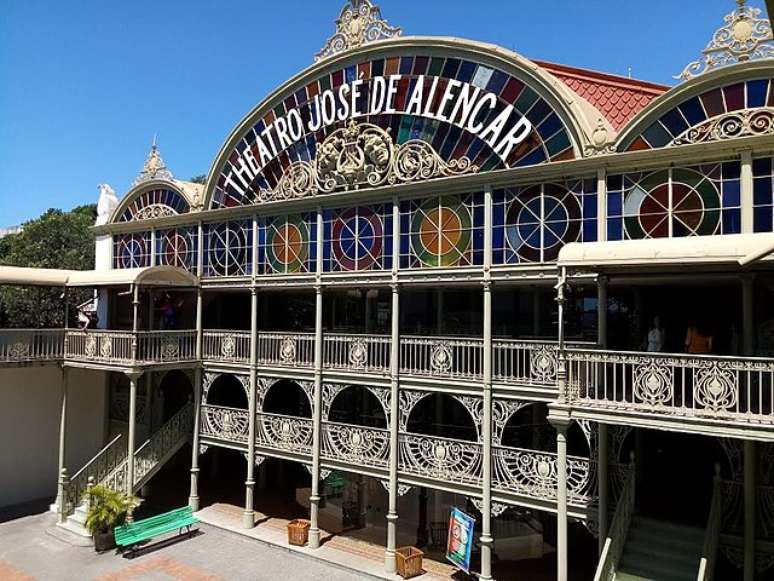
460, 540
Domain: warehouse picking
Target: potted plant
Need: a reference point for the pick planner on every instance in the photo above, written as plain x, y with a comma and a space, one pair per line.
108, 509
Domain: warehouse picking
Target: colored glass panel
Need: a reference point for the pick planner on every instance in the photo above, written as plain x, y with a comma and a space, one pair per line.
358, 238
285, 244
228, 248
177, 247
155, 203
132, 250
763, 194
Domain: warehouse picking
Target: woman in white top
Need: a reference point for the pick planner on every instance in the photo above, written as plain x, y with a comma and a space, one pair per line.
656, 336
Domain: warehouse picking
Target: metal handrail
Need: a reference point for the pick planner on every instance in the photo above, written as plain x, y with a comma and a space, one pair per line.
619, 530
712, 534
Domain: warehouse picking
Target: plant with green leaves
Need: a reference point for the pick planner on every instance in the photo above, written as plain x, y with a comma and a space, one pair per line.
108, 508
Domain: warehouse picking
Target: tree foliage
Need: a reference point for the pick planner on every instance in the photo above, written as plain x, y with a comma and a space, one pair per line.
55, 240
202, 179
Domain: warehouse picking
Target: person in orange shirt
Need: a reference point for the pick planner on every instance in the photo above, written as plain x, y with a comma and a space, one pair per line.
697, 340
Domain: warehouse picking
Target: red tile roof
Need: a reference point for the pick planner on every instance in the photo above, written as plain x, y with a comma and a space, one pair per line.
617, 98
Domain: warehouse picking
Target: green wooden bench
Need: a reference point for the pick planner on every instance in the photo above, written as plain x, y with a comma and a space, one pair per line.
130, 534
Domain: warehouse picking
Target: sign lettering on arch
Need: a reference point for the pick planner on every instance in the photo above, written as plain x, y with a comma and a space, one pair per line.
389, 121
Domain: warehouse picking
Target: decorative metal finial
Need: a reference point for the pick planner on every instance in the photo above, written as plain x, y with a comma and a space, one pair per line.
154, 167
743, 37
359, 23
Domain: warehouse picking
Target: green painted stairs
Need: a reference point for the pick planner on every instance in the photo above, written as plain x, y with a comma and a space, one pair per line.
660, 551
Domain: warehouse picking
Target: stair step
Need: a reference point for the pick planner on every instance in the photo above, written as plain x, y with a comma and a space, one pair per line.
75, 527
674, 560
620, 576
681, 531
664, 544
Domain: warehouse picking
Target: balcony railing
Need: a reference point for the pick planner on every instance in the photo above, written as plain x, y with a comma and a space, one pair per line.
22, 345
368, 353
356, 444
441, 357
100, 346
225, 423
226, 346
692, 386
285, 433
443, 459
286, 349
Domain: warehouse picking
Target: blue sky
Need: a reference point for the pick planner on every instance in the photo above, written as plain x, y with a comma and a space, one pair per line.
85, 84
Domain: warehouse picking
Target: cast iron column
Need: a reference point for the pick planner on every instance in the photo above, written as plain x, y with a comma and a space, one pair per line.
62, 472
603, 484
248, 519
193, 499
314, 498
392, 511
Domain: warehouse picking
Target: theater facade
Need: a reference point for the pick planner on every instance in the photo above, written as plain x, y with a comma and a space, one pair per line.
428, 272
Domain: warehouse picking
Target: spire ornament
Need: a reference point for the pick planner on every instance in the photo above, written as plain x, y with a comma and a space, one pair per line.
154, 167
743, 37
360, 22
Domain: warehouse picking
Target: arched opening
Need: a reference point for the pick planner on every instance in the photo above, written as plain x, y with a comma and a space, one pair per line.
227, 391
286, 397
530, 429
174, 391
358, 406
223, 473
439, 414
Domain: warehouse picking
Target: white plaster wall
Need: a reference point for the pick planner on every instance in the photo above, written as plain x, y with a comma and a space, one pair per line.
30, 400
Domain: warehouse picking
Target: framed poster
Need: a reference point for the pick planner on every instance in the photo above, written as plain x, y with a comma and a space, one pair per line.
460, 539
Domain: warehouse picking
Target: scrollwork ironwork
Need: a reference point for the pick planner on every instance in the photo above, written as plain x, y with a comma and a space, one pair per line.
360, 22
744, 123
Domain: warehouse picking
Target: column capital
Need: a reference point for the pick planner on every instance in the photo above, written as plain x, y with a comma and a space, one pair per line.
134, 374
559, 417
487, 284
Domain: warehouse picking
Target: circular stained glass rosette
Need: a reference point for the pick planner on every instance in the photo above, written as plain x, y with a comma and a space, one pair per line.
544, 221
176, 248
132, 252
441, 232
357, 238
228, 249
695, 205
287, 244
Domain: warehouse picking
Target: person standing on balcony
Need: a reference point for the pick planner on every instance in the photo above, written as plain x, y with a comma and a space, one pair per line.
698, 341
656, 336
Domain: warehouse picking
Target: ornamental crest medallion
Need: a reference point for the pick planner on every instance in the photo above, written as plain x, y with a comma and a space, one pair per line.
288, 350
19, 350
653, 383
359, 23
441, 358
358, 353
716, 388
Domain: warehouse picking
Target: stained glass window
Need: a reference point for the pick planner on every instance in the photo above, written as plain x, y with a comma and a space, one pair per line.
228, 248
177, 247
694, 201
549, 140
287, 244
155, 204
532, 223
358, 238
442, 231
697, 111
132, 250
763, 187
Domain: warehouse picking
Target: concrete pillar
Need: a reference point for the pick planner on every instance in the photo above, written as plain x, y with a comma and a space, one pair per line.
314, 498
602, 452
602, 311
392, 510
749, 510
248, 518
62, 470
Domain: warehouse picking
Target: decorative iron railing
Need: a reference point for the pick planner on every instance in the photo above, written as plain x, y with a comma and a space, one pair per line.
533, 473
710, 387
149, 457
286, 349
100, 466
100, 346
619, 530
285, 433
356, 444
224, 423
166, 346
226, 346
441, 357
444, 459
525, 362
366, 353
22, 345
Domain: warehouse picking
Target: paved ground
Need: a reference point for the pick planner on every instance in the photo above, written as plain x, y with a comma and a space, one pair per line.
28, 551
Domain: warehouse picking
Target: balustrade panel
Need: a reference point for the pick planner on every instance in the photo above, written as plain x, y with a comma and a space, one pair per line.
100, 346
525, 362
441, 357
286, 349
443, 459
365, 353
356, 444
226, 346
730, 388
224, 423
166, 346
284, 433
18, 345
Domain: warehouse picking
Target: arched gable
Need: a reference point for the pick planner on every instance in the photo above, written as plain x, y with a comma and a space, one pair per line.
397, 111
727, 103
152, 199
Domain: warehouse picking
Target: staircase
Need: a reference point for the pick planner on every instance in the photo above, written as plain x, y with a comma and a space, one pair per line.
110, 466
660, 551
